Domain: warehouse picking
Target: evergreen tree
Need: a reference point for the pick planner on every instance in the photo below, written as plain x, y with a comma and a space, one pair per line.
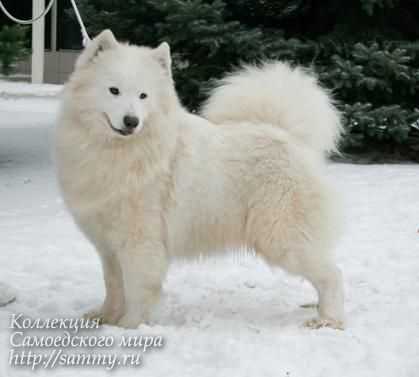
204, 42
366, 52
12, 47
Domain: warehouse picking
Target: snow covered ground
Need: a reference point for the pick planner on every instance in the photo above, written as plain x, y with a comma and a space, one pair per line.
23, 89
231, 317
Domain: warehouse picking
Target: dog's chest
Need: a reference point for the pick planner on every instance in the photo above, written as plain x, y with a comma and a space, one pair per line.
106, 196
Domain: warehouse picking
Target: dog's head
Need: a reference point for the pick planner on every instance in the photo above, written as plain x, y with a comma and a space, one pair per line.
120, 87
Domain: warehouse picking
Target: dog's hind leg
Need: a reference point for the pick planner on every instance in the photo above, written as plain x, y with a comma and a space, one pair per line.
144, 268
298, 234
321, 271
326, 278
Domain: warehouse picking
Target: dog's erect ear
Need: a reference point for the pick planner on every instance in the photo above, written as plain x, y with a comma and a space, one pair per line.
104, 41
162, 54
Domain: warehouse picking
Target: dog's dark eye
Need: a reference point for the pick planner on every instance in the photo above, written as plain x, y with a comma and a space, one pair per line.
143, 95
114, 91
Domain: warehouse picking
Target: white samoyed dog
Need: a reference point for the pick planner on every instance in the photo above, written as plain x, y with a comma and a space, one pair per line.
146, 181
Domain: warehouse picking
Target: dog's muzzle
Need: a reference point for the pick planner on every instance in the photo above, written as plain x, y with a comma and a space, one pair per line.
130, 124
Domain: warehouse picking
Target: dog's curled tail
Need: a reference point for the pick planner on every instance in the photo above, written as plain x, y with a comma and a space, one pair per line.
277, 94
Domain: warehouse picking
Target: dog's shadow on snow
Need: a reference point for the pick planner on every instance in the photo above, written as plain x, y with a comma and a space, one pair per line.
199, 297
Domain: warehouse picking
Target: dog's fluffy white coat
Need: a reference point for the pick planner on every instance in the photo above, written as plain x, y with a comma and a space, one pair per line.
249, 172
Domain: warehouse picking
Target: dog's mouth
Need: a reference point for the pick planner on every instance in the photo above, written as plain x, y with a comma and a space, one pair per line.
123, 132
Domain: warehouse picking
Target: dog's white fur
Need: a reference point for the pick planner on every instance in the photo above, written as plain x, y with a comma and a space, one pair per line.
182, 186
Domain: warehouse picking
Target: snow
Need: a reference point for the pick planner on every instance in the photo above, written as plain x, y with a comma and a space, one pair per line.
23, 89
24, 105
219, 317
7, 294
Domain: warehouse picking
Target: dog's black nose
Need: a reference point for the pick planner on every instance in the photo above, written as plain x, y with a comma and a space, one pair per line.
131, 121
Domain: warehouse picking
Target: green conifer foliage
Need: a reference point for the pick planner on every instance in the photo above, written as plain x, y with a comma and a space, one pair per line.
366, 52
12, 47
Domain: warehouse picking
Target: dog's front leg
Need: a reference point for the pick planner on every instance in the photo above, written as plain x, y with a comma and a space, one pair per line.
112, 308
144, 268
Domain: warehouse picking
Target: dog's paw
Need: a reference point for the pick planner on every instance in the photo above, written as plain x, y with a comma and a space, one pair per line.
94, 315
102, 316
310, 305
130, 321
318, 323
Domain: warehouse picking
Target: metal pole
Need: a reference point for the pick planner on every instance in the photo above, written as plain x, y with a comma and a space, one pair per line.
38, 42
54, 12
